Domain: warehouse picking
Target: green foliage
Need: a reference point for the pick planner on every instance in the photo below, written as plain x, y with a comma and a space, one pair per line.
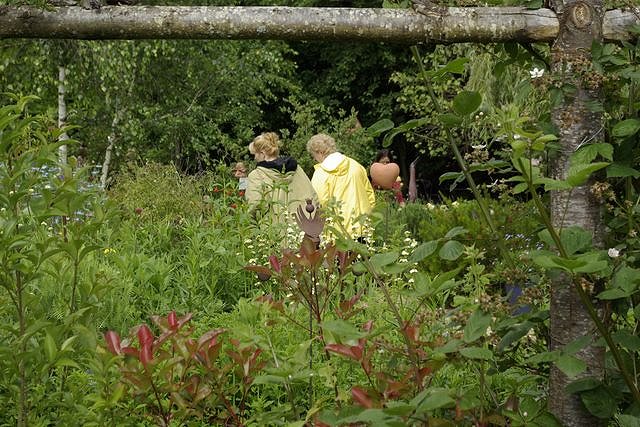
160, 193
571, 250
48, 227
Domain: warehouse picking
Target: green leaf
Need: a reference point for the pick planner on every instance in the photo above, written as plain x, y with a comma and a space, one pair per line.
476, 353
50, 347
458, 176
544, 357
599, 402
67, 345
514, 334
615, 293
451, 250
375, 417
343, 332
520, 188
551, 184
533, 4
87, 250
476, 326
546, 419
488, 165
455, 231
398, 408
576, 345
625, 420
359, 268
444, 281
269, 379
568, 264
556, 96
450, 120
403, 128
449, 347
383, 259
548, 261
65, 361
422, 251
437, 398
575, 239
379, 127
117, 394
387, 4
454, 67
624, 283
571, 365
396, 268
627, 340
626, 128
617, 170
588, 153
579, 174
467, 102
582, 384
590, 265
626, 278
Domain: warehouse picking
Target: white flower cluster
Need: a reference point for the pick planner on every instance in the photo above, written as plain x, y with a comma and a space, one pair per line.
613, 253
536, 73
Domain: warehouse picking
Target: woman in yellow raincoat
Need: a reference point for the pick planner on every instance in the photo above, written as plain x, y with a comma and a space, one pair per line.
343, 180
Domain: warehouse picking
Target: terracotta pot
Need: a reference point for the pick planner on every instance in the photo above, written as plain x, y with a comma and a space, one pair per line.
384, 175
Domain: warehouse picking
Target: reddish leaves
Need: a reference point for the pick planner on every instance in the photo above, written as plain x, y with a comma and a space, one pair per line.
150, 370
172, 320
113, 342
145, 337
351, 351
275, 263
362, 397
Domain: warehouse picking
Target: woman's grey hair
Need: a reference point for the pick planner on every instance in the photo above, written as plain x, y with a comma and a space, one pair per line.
321, 144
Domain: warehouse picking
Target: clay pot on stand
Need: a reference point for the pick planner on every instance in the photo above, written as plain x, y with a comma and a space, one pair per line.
384, 175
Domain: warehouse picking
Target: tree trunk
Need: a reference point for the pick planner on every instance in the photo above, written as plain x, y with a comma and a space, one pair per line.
62, 113
454, 24
580, 24
108, 154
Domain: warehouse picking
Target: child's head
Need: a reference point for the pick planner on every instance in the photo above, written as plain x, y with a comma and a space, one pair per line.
384, 156
239, 170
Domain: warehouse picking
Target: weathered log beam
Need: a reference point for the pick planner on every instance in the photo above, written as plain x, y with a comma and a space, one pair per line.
617, 23
472, 24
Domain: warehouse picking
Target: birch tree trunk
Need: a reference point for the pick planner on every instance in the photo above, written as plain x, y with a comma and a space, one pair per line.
580, 24
118, 114
111, 140
62, 113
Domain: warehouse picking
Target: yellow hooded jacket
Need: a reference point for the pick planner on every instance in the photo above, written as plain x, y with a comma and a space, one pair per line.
341, 178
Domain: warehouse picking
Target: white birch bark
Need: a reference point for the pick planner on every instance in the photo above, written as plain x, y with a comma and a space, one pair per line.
108, 154
62, 113
577, 125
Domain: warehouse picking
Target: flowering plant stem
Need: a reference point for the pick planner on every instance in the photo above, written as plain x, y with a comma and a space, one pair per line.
463, 165
411, 350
